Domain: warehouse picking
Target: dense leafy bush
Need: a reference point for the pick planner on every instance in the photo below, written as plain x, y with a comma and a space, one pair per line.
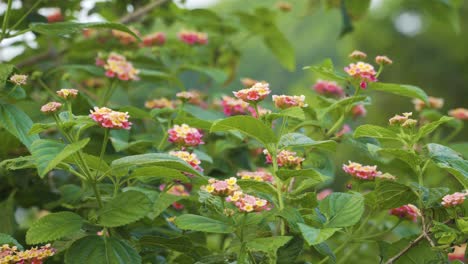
130, 166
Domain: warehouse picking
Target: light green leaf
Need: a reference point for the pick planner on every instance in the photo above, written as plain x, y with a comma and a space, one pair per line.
147, 174
96, 249
400, 89
342, 209
53, 226
325, 70
15, 121
375, 132
340, 105
428, 128
125, 208
449, 160
391, 194
91, 69
7, 221
247, 125
280, 46
64, 28
315, 236
7, 239
268, 245
219, 76
292, 112
304, 173
49, 153
300, 140
404, 155
256, 186
5, 71
123, 165
203, 224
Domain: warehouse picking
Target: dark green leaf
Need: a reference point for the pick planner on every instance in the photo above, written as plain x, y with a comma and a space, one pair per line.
315, 236
428, 128
400, 89
53, 226
342, 209
300, 140
449, 160
125, 208
203, 224
375, 132
15, 121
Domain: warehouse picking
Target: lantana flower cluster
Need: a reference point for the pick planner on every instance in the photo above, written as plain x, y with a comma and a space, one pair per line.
459, 113
155, 39
160, 103
328, 88
124, 37
192, 97
287, 101
254, 94
193, 37
19, 79
454, 199
403, 120
51, 107
260, 175
185, 136
409, 212
109, 118
434, 103
232, 192
362, 71
35, 255
233, 106
190, 158
67, 93
117, 66
361, 172
286, 159
177, 190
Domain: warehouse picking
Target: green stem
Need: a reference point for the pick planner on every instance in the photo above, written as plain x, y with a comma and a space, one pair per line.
42, 83
242, 251
109, 92
18, 22
6, 18
279, 191
103, 150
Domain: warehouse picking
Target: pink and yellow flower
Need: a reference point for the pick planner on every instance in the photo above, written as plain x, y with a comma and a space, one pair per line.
160, 103
51, 107
362, 71
344, 130
454, 199
222, 188
155, 39
35, 255
285, 158
361, 172
109, 118
124, 37
19, 79
255, 94
67, 93
328, 88
261, 175
383, 60
459, 113
287, 101
117, 66
185, 135
190, 158
192, 97
233, 106
193, 37
409, 212
403, 120
434, 103
358, 55
248, 203
358, 111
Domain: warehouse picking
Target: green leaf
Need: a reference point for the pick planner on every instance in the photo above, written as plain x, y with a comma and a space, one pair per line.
256, 186
218, 75
7, 221
417, 254
292, 216
5, 71
7, 239
268, 245
163, 201
449, 160
247, 125
315, 236
53, 226
400, 89
125, 208
64, 28
49, 153
300, 140
91, 69
406, 156
15, 121
325, 70
96, 249
293, 112
37, 128
147, 174
428, 128
123, 165
391, 194
304, 173
280, 47
342, 209
203, 224
375, 132
181, 244
288, 253
341, 104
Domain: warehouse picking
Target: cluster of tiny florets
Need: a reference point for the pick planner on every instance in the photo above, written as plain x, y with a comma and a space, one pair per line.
67, 93
434, 103
362, 71
160, 103
117, 66
190, 158
409, 212
193, 37
285, 158
185, 136
254, 94
261, 175
36, 255
51, 107
403, 120
287, 101
109, 118
360, 171
454, 199
328, 88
